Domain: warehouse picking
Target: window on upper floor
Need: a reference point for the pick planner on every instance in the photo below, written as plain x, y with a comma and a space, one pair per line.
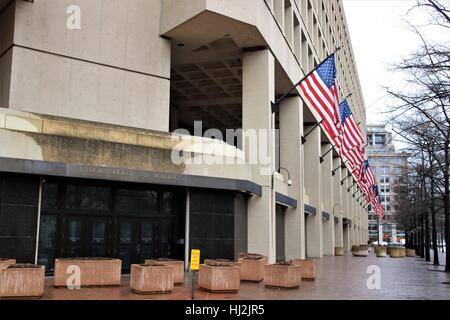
380, 139
384, 179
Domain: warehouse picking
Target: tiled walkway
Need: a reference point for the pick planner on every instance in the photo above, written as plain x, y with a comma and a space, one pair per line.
338, 278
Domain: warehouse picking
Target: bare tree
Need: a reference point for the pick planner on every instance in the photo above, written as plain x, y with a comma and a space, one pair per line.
421, 119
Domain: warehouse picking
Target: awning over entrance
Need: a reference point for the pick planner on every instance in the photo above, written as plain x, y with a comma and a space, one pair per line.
47, 168
309, 210
346, 221
285, 200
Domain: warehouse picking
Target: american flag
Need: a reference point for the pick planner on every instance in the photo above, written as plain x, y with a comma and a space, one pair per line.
352, 137
320, 89
367, 174
356, 158
376, 202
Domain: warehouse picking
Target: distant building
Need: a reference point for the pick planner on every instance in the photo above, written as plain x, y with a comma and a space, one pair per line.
388, 166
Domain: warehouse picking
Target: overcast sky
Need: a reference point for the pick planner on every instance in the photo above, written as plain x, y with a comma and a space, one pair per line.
380, 36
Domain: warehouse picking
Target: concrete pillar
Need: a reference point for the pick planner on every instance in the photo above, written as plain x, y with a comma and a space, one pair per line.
351, 212
327, 200
313, 174
291, 150
258, 81
346, 208
337, 205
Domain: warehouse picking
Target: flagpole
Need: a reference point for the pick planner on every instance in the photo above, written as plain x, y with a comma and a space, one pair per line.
348, 189
276, 104
348, 96
348, 176
310, 131
322, 157
342, 166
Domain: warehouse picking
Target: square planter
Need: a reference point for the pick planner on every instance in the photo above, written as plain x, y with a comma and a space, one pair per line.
397, 253
222, 261
411, 253
219, 277
252, 267
6, 263
308, 268
380, 252
339, 251
286, 276
152, 278
360, 251
22, 281
178, 268
94, 272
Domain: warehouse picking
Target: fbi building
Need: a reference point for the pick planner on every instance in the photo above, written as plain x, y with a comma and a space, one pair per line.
93, 95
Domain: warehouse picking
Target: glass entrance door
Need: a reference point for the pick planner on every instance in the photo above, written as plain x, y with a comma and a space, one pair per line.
137, 240
86, 236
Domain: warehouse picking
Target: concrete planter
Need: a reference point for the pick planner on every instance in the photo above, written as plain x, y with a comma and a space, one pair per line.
252, 267
380, 252
152, 278
411, 253
338, 251
388, 250
308, 268
286, 276
6, 263
178, 268
219, 277
22, 280
93, 271
398, 253
360, 251
222, 261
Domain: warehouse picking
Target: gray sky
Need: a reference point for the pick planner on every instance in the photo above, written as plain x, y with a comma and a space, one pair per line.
380, 36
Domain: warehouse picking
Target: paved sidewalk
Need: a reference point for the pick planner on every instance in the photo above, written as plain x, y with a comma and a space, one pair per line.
338, 278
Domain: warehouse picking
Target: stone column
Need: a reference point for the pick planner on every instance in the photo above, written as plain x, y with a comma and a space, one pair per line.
337, 205
291, 129
258, 84
313, 174
327, 200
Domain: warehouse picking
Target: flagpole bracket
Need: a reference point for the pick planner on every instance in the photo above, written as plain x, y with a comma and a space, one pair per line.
275, 107
310, 131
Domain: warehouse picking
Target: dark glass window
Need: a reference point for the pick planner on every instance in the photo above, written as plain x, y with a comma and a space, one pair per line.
50, 195
140, 201
87, 198
167, 203
47, 241
167, 237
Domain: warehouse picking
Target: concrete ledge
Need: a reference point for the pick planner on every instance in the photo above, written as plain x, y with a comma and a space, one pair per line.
47, 168
325, 215
285, 200
310, 210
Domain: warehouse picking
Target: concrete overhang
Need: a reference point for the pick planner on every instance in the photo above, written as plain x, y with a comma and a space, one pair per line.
310, 210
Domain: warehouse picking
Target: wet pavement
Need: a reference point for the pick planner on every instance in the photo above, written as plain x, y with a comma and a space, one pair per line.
337, 278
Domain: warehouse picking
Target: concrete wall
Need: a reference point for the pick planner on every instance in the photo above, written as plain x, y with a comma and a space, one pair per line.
6, 41
115, 69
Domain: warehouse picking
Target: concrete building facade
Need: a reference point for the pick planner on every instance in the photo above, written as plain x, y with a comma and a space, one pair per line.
388, 166
93, 95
